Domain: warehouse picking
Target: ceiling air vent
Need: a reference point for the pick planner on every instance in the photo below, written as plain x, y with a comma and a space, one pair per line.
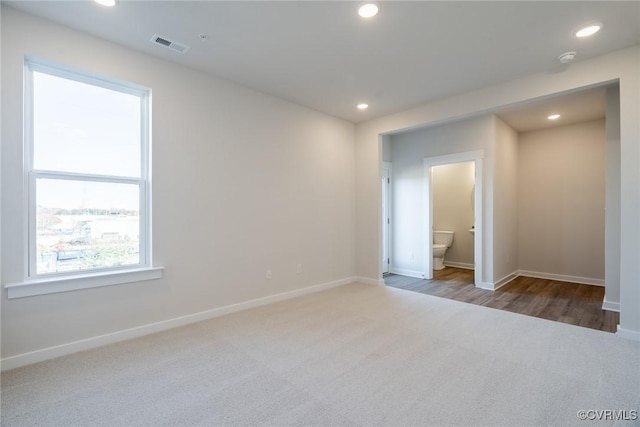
169, 44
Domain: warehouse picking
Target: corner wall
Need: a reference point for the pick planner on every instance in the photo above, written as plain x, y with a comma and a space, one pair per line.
505, 203
562, 199
242, 182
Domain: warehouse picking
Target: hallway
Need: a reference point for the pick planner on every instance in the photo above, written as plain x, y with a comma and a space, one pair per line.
572, 303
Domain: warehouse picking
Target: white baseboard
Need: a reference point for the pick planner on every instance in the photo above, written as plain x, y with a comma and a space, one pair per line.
409, 273
114, 337
610, 305
506, 279
562, 278
628, 334
493, 286
368, 281
464, 265
486, 286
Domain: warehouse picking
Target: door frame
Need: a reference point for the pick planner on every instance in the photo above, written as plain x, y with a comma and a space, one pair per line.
428, 163
386, 219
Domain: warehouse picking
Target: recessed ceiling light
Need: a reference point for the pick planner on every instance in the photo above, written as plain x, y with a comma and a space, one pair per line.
588, 30
108, 3
554, 117
362, 106
368, 9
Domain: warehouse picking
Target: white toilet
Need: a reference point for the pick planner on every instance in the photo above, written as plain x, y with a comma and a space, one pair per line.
442, 240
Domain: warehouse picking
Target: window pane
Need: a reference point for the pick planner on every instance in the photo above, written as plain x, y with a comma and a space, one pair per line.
86, 225
83, 128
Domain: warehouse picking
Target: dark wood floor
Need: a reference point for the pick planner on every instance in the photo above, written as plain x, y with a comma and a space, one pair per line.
572, 303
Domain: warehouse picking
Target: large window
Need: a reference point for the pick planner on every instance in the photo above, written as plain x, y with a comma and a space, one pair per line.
87, 166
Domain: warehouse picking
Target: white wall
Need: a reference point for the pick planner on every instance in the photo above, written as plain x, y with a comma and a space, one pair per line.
612, 201
562, 191
386, 149
242, 182
505, 203
453, 186
623, 66
408, 150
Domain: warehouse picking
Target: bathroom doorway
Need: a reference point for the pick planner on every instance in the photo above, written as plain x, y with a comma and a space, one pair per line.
472, 163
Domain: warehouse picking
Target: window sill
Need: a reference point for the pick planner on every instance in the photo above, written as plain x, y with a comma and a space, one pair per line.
52, 285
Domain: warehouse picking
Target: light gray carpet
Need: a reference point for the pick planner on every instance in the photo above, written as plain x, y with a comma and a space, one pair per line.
354, 355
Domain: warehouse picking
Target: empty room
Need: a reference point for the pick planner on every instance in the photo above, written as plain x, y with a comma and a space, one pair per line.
194, 230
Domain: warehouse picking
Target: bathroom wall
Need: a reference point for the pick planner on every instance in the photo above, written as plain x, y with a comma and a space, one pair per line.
453, 186
561, 187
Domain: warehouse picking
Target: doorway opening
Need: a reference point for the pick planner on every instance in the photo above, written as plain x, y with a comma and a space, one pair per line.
475, 229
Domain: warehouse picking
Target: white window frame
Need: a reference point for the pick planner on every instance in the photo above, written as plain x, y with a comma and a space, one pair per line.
36, 284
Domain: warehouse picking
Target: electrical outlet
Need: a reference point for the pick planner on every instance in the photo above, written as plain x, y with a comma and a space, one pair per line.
299, 269
269, 275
